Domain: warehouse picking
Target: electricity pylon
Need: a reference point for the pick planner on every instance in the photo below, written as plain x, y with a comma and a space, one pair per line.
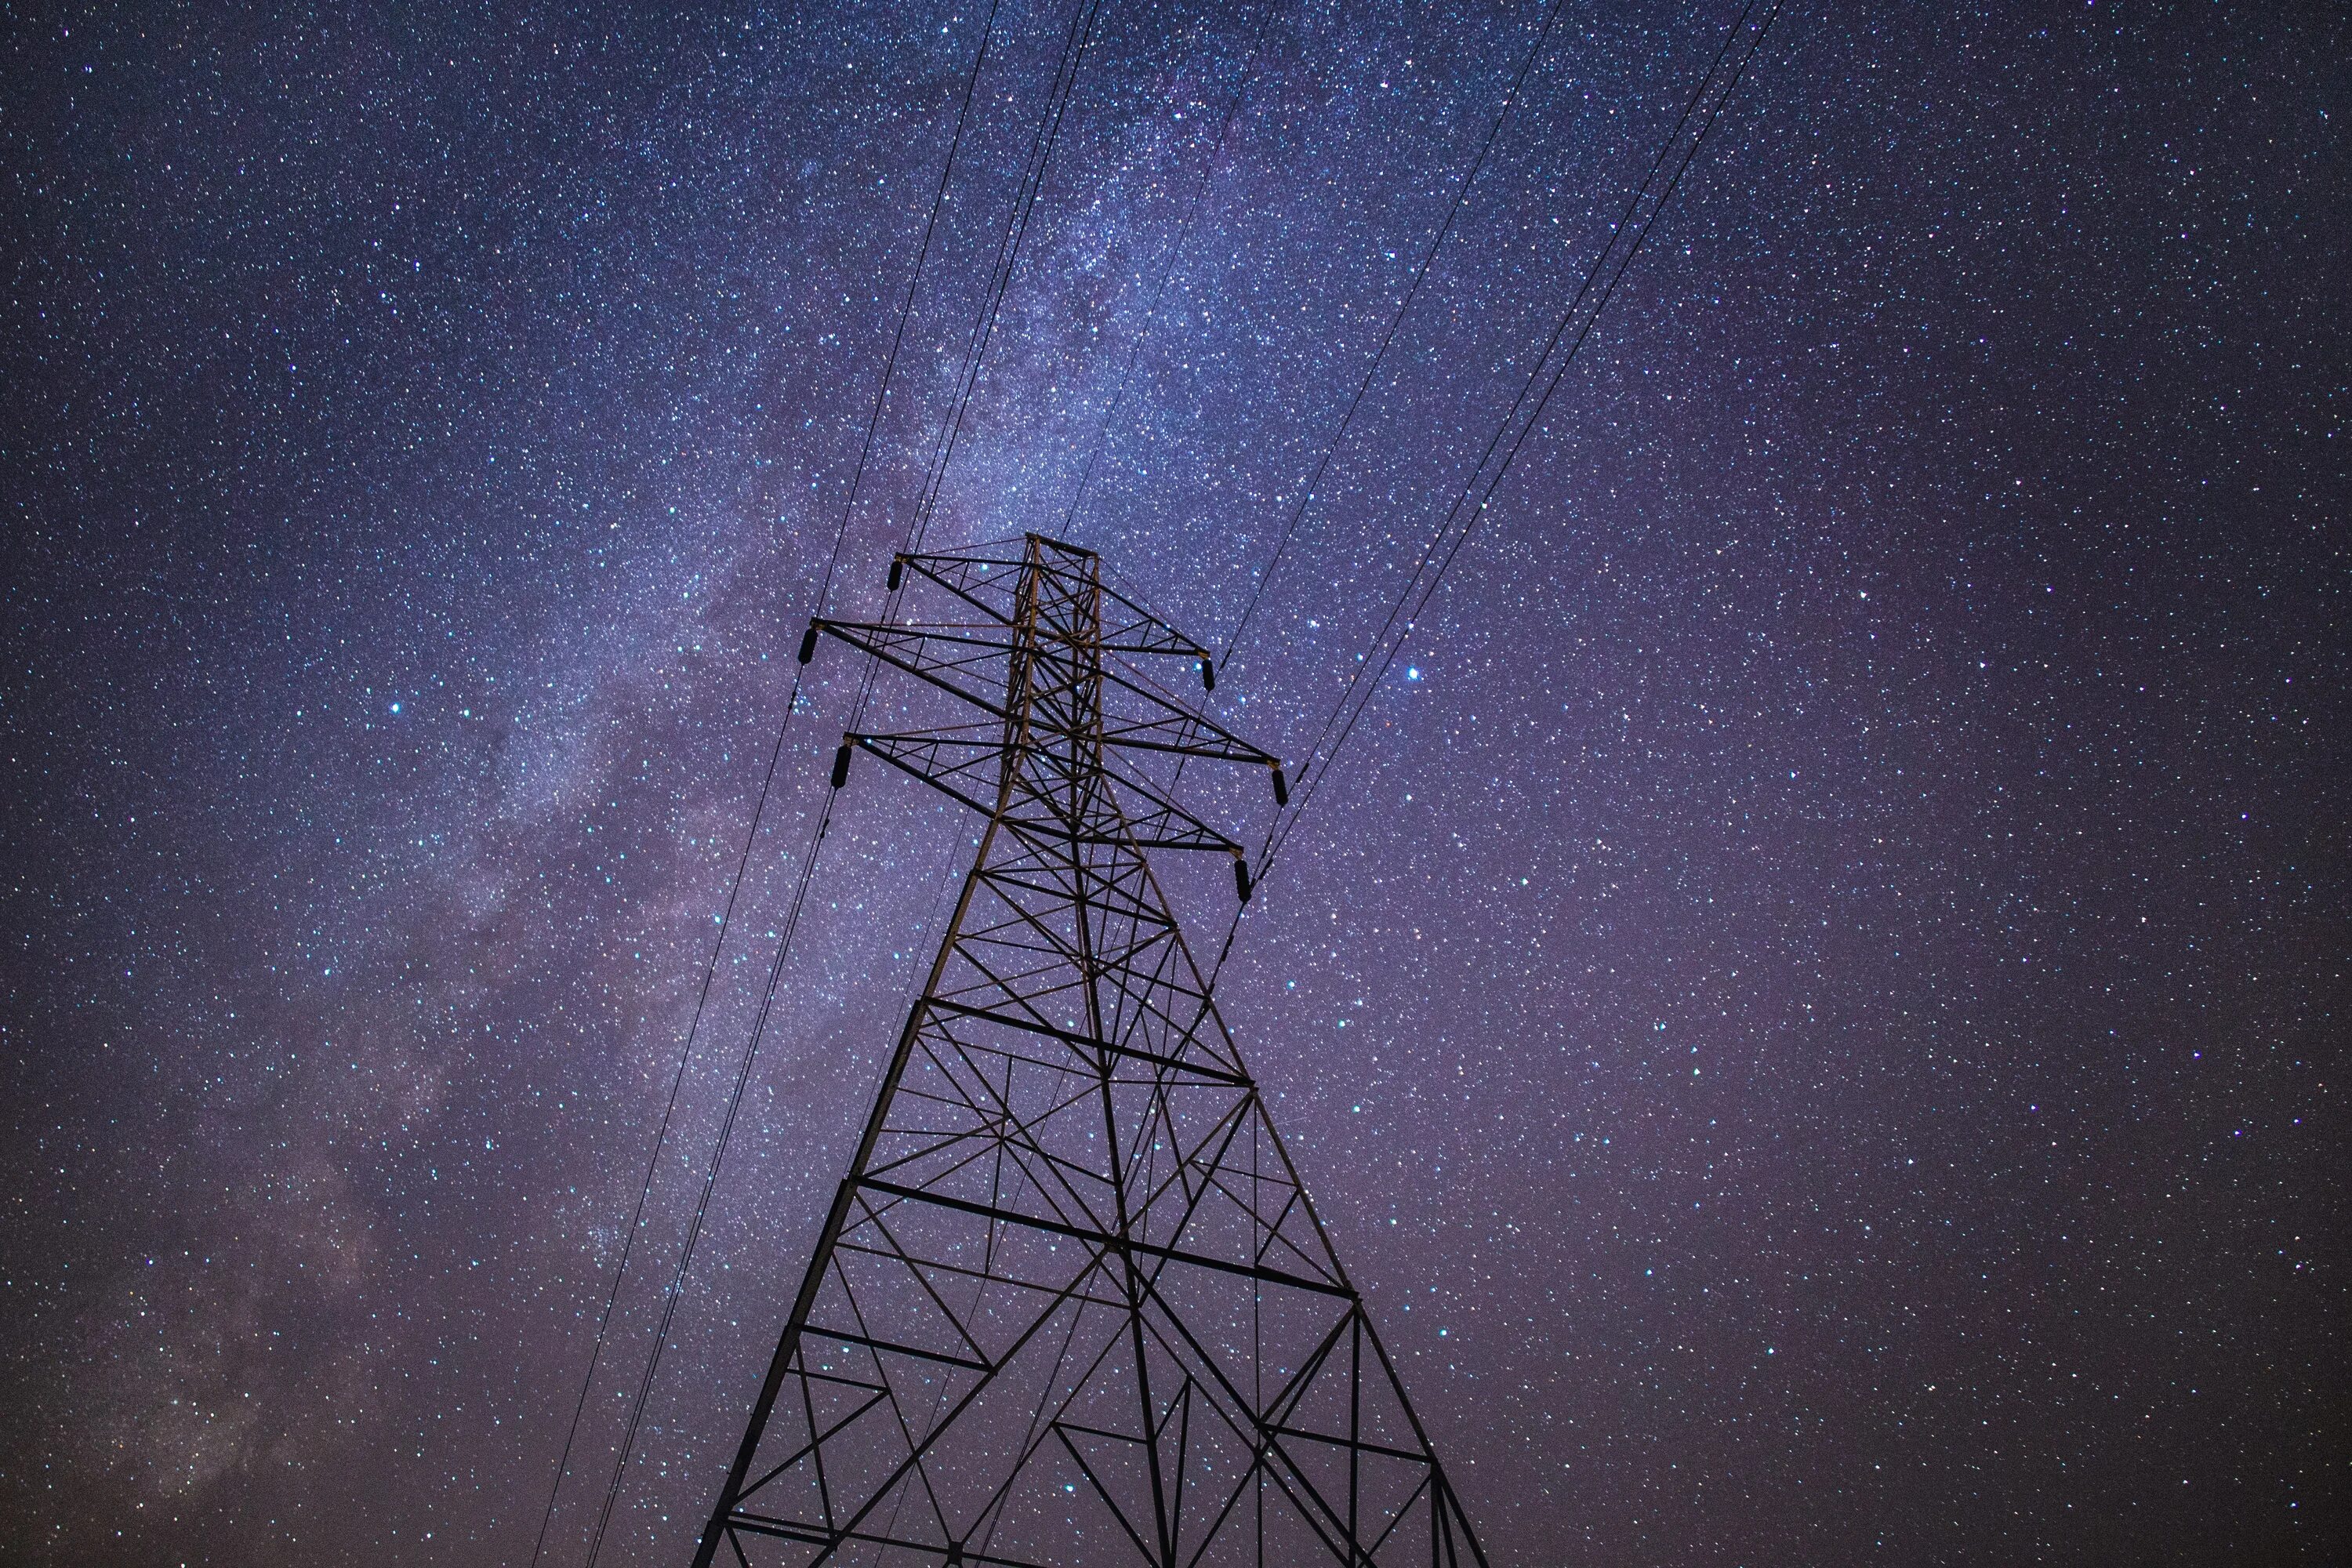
1071, 1305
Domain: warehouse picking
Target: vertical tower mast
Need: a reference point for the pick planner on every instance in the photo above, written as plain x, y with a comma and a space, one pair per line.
1071, 1304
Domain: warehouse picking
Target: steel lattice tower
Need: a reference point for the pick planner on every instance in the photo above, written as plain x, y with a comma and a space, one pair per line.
1071, 1305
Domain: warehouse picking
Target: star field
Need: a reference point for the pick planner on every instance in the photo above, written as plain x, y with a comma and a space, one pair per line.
1812, 1004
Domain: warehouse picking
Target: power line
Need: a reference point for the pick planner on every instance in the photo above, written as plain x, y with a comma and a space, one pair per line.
677, 1289
1082, 29
1461, 195
906, 307
661, 1136
1042, 142
1462, 517
758, 810
1168, 261
1008, 254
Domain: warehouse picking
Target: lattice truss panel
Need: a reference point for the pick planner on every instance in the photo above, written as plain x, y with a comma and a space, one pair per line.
1072, 1305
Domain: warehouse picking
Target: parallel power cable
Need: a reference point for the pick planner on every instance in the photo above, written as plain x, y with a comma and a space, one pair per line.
1082, 29
1462, 518
1388, 336
833, 561
1347, 420
676, 1290
661, 1137
906, 306
1083, 21
1167, 263
1008, 254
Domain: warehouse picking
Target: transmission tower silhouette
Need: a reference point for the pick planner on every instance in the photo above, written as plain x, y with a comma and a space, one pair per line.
1071, 1304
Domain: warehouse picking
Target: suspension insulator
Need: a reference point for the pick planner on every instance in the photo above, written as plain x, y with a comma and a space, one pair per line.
808, 643
897, 572
1281, 787
1241, 877
841, 765
1208, 675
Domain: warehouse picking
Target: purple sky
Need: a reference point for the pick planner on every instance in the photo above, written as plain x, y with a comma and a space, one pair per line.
1810, 1004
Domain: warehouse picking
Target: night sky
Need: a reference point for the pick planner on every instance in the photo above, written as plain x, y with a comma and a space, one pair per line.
1813, 1004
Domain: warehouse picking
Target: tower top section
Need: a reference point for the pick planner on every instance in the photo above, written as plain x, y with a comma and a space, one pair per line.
1053, 707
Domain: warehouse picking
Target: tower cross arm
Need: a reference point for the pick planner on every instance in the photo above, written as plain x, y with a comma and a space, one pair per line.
969, 665
977, 579
967, 770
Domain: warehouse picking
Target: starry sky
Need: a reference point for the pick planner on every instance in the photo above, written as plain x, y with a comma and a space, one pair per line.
1813, 1004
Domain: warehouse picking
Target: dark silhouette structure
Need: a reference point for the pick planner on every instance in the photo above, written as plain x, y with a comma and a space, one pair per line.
1071, 1304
